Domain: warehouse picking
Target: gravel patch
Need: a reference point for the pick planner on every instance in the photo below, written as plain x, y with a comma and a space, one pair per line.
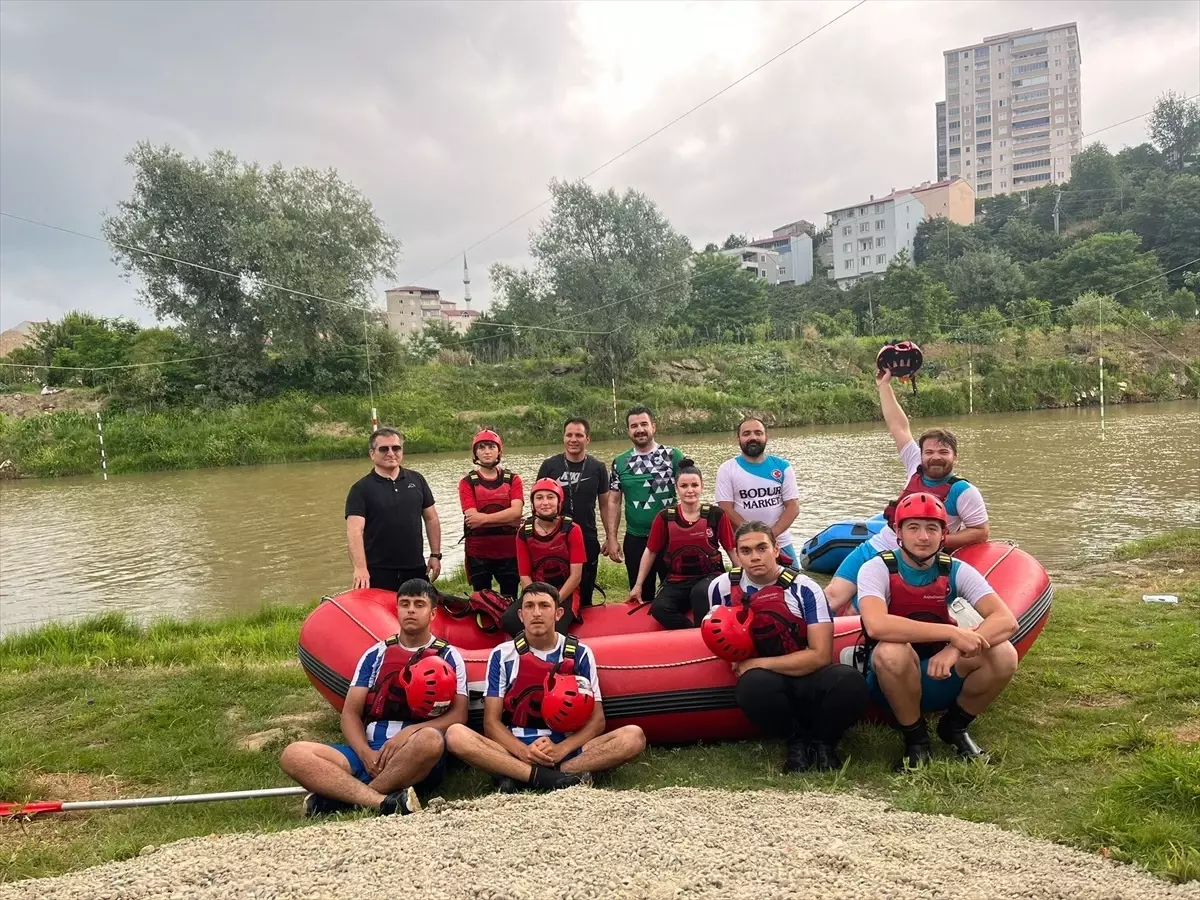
589, 843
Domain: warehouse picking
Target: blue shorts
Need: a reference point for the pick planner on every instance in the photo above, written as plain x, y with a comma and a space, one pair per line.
526, 740
359, 771
854, 561
936, 695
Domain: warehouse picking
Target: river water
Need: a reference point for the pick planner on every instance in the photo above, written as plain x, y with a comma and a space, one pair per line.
204, 542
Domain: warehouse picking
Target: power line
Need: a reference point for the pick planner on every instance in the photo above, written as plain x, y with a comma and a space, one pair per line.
648, 137
161, 362
183, 262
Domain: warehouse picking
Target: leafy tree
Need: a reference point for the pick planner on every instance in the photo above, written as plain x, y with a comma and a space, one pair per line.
81, 341
1174, 128
1181, 303
1166, 214
1094, 170
911, 301
985, 278
734, 241
301, 228
945, 240
1136, 163
1029, 313
985, 327
1086, 310
1105, 263
1024, 242
993, 213
711, 247
724, 295
612, 265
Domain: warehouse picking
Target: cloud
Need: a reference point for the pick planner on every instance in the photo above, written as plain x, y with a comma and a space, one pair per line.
452, 117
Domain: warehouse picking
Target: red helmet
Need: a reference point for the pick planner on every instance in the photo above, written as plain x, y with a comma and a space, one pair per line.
487, 435
547, 484
726, 632
902, 358
921, 506
567, 702
429, 686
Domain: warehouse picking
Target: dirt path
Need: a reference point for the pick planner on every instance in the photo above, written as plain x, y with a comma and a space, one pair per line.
588, 843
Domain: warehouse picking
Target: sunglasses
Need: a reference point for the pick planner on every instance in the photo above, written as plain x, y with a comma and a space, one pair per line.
394, 448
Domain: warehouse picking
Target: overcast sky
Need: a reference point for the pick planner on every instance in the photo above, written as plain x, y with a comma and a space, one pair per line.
452, 117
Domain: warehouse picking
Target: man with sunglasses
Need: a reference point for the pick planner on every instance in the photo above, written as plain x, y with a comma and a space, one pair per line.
384, 514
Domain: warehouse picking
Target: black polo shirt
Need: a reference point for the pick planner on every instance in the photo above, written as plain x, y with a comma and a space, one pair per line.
392, 537
582, 483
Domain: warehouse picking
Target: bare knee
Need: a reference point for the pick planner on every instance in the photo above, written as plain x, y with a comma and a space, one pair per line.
457, 737
294, 755
894, 659
633, 739
1002, 660
428, 743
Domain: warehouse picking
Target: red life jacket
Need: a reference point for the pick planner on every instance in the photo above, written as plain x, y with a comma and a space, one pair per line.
549, 554
692, 550
523, 699
924, 603
387, 702
491, 541
775, 628
917, 486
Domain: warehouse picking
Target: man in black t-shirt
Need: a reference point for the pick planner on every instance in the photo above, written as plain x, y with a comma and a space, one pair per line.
384, 512
583, 479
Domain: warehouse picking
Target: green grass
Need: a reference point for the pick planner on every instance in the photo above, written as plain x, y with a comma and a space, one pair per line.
1097, 742
439, 406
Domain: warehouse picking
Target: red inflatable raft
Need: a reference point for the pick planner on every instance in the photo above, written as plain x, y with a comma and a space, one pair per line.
665, 681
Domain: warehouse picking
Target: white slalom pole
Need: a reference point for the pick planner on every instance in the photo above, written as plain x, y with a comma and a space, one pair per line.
103, 457
374, 420
970, 386
1102, 367
9, 810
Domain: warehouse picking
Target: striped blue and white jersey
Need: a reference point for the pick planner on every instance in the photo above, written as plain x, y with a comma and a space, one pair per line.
803, 596
502, 672
367, 671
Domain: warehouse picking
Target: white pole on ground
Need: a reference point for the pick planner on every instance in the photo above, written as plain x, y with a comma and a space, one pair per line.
614, 399
971, 386
374, 420
1102, 367
103, 457
8, 810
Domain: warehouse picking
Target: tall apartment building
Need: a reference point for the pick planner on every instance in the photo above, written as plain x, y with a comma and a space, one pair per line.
1012, 117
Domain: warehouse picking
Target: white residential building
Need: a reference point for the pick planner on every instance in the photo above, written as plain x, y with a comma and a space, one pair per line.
411, 308
1012, 117
760, 262
867, 236
794, 245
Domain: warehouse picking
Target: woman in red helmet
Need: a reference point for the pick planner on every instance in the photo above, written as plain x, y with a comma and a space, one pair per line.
923, 655
492, 500
550, 549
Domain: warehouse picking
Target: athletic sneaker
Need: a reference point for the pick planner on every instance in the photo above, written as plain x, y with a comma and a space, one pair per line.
316, 805
402, 802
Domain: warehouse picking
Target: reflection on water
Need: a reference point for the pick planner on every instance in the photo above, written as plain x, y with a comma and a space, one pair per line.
204, 542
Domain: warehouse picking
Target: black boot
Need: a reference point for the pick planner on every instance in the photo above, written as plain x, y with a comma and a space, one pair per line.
825, 757
548, 779
916, 746
799, 758
952, 729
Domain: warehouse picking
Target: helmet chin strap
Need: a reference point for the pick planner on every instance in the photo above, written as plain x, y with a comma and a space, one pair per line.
545, 518
922, 560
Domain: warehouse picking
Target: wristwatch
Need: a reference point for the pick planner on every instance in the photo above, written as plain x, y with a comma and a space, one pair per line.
435, 556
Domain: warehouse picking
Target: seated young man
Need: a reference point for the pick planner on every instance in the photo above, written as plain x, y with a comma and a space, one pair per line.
791, 688
517, 746
921, 659
391, 754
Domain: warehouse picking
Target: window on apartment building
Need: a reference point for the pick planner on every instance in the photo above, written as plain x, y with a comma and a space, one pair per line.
968, 149
1058, 48
847, 247
762, 273
1003, 185
1001, 157
986, 145
1000, 76
1058, 120
880, 258
984, 133
847, 229
1058, 76
1059, 104
865, 226
1004, 170
862, 210
865, 261
984, 187
1057, 63
954, 126
878, 209
880, 224
955, 151
848, 264
982, 120
880, 242
1058, 133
